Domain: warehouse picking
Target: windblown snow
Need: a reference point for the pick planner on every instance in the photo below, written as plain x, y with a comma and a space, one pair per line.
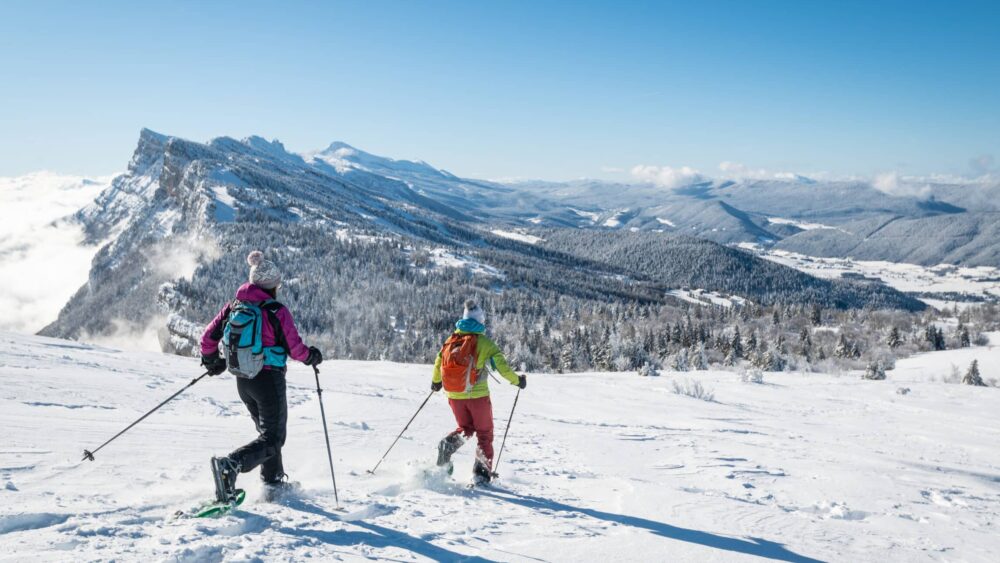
803, 467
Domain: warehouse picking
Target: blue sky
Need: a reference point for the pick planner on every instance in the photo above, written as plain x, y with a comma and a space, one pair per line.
508, 89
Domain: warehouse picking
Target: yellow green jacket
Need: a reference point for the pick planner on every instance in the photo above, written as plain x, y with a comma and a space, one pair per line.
488, 357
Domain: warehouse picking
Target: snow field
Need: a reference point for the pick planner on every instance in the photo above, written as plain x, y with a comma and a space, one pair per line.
613, 467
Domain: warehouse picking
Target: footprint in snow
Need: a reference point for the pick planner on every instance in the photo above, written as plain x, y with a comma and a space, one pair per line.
835, 510
30, 521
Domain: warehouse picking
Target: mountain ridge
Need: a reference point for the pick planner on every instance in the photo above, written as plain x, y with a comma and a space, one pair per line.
205, 205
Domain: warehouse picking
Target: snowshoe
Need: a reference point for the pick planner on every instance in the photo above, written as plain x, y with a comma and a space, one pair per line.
212, 508
215, 509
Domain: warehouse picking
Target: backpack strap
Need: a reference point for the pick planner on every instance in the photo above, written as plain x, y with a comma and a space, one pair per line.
217, 333
271, 309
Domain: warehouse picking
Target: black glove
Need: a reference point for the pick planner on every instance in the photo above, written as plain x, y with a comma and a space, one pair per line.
213, 363
522, 381
315, 357
435, 386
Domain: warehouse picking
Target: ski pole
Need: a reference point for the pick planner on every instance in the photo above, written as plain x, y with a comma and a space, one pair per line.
372, 470
506, 430
329, 452
87, 454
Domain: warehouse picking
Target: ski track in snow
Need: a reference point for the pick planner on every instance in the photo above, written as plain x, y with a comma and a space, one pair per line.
597, 466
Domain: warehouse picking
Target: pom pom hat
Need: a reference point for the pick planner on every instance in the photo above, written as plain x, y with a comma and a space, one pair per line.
263, 273
474, 311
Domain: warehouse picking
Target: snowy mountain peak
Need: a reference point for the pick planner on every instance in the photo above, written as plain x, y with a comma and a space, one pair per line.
273, 146
344, 156
148, 151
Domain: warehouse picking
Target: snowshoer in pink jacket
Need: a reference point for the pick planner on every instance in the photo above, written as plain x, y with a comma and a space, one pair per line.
257, 334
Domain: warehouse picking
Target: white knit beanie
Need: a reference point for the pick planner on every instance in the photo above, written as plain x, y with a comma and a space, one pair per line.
263, 273
474, 311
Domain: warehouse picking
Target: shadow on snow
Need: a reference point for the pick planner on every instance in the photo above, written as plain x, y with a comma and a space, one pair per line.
374, 536
750, 546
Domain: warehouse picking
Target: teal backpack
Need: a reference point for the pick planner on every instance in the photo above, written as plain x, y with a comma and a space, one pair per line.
243, 343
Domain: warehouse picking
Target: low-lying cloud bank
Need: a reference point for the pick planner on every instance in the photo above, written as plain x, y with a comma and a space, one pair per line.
891, 183
666, 176
42, 260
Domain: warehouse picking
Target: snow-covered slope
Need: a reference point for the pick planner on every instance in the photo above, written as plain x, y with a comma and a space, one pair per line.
597, 466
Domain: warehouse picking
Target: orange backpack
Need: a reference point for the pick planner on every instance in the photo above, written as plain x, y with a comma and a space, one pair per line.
458, 363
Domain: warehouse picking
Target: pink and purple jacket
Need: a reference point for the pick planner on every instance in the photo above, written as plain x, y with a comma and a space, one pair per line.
253, 294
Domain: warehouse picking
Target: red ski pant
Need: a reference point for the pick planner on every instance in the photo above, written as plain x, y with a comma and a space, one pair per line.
476, 416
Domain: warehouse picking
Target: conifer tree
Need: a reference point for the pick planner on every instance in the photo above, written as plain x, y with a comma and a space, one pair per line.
894, 340
972, 376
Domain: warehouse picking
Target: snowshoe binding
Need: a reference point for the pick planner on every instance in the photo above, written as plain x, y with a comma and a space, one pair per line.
224, 471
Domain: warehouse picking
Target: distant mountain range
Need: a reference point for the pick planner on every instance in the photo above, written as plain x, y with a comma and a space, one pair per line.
350, 227
956, 223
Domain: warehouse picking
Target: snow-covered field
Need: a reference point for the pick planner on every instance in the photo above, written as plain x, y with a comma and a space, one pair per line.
598, 467
982, 282
704, 297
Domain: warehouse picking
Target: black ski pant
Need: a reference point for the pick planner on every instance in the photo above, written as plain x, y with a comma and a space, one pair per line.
264, 397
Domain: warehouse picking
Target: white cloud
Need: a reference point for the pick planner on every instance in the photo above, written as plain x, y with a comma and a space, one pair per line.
891, 183
739, 171
666, 176
175, 258
42, 262
127, 335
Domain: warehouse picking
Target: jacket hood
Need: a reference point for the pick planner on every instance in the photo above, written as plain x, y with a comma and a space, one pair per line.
470, 325
252, 293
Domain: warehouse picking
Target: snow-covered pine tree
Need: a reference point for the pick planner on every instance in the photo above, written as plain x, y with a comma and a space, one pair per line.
805, 343
894, 340
566, 358
816, 315
963, 337
855, 351
874, 371
649, 369
736, 344
681, 361
843, 349
972, 376
698, 359
930, 336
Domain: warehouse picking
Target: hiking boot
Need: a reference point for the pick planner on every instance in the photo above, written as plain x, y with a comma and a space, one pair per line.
481, 474
225, 470
274, 490
447, 447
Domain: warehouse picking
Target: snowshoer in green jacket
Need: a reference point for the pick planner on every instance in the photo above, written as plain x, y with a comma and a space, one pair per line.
462, 368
